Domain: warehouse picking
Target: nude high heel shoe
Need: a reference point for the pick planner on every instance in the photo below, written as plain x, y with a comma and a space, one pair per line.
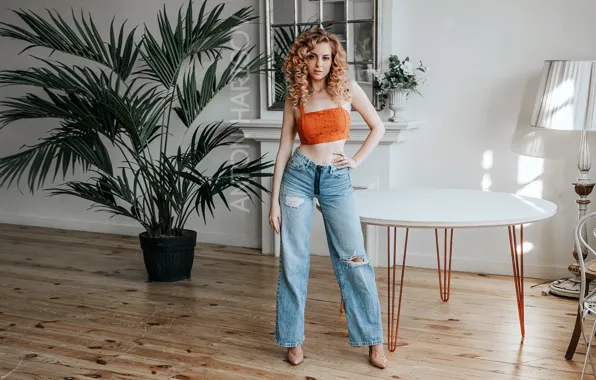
295, 359
377, 361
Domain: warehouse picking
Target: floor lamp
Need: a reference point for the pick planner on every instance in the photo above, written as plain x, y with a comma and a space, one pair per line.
566, 101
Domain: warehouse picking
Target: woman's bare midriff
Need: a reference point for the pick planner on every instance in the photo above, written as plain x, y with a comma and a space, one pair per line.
322, 154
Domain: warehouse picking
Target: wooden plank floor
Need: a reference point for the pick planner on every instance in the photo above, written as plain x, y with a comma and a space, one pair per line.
76, 305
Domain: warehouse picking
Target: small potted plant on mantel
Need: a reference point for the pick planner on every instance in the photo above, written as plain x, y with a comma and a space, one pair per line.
121, 101
397, 83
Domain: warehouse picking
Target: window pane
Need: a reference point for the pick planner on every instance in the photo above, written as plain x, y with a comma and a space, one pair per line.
338, 29
308, 11
283, 11
334, 10
361, 73
361, 42
360, 9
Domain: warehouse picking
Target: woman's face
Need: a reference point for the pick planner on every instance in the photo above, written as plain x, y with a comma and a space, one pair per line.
319, 61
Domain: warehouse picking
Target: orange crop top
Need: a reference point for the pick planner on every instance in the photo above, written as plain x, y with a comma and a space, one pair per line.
330, 124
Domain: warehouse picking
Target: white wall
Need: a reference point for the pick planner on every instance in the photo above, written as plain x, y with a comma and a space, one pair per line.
236, 227
485, 58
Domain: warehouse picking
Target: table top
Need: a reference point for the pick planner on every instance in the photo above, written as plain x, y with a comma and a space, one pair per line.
449, 208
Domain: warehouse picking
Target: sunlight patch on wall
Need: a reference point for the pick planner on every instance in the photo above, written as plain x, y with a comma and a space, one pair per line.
487, 164
486, 182
529, 173
528, 247
487, 160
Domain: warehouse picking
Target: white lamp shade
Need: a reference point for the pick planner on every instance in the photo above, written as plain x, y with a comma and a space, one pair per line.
566, 96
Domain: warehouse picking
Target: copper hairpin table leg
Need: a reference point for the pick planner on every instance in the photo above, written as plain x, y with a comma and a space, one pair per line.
517, 261
393, 328
445, 280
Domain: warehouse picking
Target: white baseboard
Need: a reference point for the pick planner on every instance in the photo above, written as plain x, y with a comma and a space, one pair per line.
487, 267
119, 228
419, 260
71, 224
414, 259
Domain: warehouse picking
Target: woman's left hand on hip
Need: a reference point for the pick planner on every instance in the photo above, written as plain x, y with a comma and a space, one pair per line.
343, 161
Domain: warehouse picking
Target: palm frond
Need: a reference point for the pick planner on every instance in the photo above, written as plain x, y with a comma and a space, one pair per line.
68, 147
30, 106
238, 175
81, 95
64, 79
192, 101
102, 193
211, 35
82, 40
204, 140
188, 97
193, 37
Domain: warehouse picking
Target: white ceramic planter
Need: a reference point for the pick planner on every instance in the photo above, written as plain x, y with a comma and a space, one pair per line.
397, 103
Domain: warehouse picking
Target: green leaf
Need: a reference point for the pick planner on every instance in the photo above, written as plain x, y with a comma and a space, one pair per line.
238, 175
82, 41
193, 102
66, 148
198, 38
102, 192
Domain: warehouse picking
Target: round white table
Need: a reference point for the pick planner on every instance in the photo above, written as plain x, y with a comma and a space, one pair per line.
448, 209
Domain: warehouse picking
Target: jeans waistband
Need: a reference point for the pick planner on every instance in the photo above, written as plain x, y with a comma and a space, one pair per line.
311, 164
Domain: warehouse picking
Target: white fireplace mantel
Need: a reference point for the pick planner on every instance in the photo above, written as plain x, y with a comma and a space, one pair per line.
378, 170
265, 130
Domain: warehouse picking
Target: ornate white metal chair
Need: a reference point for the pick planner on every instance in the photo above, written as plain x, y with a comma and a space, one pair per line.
587, 300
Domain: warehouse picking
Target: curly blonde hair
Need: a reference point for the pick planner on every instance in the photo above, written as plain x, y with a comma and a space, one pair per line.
295, 67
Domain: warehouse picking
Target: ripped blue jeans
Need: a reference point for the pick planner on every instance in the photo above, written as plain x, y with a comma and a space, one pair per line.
303, 180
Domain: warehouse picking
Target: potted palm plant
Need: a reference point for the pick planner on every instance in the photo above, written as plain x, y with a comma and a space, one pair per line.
124, 101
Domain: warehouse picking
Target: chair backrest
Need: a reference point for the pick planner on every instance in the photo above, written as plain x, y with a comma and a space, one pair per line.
581, 246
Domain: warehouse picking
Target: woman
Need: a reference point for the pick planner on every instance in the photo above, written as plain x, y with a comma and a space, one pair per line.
318, 109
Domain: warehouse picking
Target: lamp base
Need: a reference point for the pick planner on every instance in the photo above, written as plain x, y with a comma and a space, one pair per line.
568, 287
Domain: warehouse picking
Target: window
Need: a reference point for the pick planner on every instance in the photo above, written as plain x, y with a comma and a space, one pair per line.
355, 22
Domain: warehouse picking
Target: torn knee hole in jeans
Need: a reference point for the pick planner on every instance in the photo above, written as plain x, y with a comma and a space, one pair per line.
294, 201
356, 260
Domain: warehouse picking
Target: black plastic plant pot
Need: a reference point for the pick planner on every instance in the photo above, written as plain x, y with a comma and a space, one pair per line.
169, 258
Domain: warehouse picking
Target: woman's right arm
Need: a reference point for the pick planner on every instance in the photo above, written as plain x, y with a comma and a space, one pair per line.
286, 146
